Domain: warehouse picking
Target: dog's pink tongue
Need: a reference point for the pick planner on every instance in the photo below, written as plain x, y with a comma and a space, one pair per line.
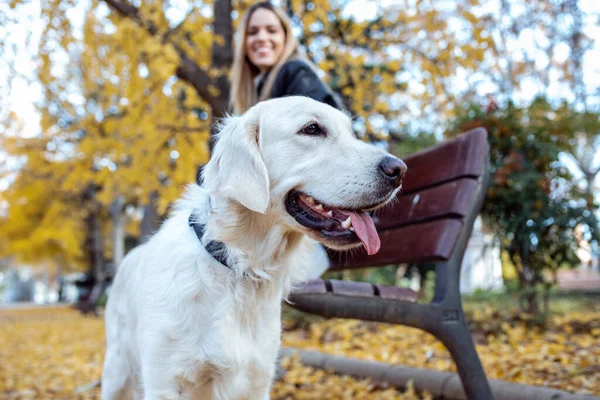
364, 227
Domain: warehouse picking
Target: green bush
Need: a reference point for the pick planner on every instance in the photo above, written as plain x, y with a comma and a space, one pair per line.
537, 213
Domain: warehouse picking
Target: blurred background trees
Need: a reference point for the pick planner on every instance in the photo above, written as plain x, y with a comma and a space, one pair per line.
125, 93
534, 207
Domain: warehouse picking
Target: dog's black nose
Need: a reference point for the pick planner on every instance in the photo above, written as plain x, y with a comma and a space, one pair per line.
393, 168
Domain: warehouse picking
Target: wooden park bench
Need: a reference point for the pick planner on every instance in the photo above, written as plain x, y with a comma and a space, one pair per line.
442, 195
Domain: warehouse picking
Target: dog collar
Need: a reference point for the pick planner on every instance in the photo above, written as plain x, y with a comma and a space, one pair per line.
215, 248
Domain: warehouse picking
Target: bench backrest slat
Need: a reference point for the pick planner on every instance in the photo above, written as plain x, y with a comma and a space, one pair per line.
429, 241
449, 200
425, 222
460, 157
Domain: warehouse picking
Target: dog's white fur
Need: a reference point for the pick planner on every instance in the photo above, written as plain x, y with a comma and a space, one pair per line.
180, 325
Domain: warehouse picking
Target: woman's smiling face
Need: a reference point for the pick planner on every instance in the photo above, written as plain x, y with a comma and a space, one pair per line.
265, 39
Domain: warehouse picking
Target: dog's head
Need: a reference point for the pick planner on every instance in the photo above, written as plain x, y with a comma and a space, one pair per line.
298, 159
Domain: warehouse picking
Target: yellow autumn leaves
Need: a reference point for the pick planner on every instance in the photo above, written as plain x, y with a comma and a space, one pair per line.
114, 112
47, 353
553, 359
55, 353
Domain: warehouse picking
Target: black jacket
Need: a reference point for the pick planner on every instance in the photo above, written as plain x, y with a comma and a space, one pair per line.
296, 78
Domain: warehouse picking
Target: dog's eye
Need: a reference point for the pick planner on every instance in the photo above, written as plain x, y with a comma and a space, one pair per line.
312, 129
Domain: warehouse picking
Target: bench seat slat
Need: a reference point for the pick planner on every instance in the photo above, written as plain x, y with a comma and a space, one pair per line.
356, 289
313, 286
429, 241
396, 293
451, 199
463, 156
351, 290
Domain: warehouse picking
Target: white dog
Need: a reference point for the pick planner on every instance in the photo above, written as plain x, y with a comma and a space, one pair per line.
195, 312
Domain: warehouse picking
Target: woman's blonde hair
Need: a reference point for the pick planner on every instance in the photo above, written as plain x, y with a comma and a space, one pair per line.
242, 94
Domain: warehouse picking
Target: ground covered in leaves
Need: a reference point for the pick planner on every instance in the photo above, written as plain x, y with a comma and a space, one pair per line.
55, 353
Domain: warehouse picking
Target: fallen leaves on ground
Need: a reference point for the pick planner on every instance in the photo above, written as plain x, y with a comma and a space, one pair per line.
564, 357
48, 353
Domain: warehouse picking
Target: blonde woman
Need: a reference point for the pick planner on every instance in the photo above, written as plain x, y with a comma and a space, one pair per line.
267, 62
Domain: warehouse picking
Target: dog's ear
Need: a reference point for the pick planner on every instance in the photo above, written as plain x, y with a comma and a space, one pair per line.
236, 169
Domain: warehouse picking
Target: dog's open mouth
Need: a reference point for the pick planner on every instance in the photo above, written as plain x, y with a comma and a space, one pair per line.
348, 226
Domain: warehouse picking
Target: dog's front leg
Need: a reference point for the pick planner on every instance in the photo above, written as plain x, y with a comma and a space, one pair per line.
262, 393
158, 380
261, 386
162, 391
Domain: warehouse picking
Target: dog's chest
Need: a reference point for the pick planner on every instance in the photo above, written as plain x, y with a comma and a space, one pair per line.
229, 321
237, 350
249, 328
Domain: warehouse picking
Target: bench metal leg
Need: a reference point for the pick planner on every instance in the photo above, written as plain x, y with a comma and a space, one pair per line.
453, 330
459, 342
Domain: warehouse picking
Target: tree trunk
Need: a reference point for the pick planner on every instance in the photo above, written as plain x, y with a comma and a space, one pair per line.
222, 58
60, 284
118, 220
546, 301
97, 248
222, 53
530, 302
94, 245
149, 222
46, 283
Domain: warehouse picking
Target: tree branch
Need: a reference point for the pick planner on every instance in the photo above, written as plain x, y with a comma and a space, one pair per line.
130, 11
178, 27
185, 129
190, 72
187, 70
